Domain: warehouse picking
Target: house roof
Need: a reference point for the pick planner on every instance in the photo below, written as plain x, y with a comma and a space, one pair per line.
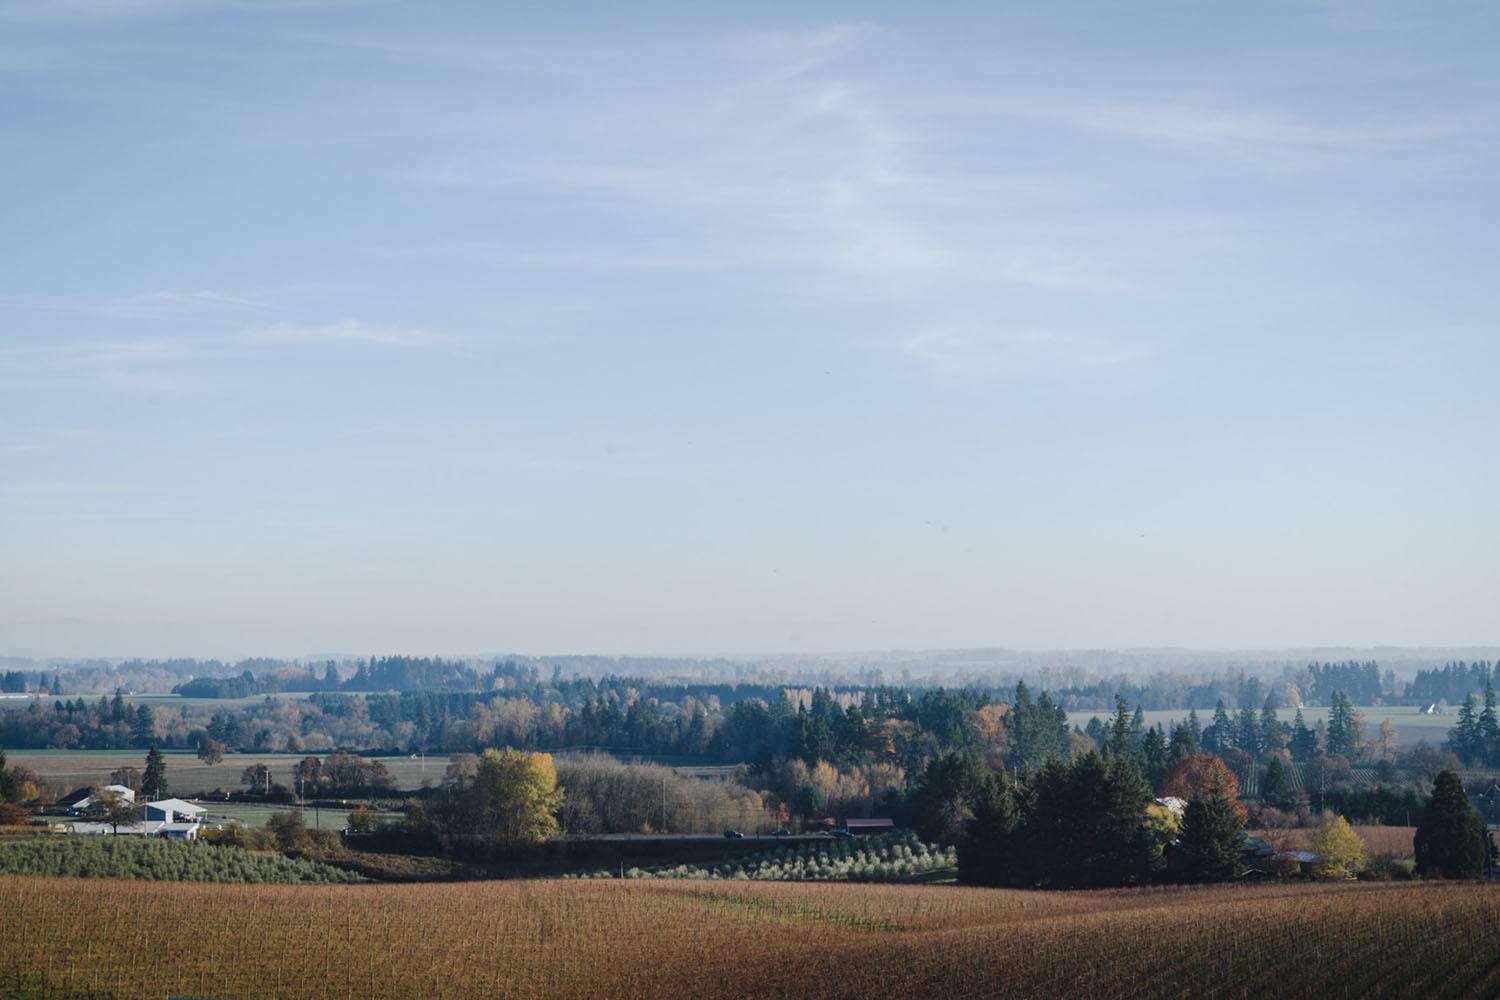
87, 800
177, 806
148, 828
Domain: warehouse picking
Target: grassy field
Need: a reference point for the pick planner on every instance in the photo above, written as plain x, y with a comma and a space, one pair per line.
187, 775
1410, 726
668, 939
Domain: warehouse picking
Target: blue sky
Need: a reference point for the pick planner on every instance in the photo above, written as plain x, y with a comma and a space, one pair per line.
392, 326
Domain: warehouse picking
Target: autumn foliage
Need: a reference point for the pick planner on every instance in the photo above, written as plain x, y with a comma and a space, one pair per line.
1190, 777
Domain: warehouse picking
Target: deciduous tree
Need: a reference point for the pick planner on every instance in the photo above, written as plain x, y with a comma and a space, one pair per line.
1340, 851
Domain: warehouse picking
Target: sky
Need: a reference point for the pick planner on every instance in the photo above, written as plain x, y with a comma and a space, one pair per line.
665, 328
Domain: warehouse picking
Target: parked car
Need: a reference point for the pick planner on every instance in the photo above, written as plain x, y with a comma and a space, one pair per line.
843, 834
733, 835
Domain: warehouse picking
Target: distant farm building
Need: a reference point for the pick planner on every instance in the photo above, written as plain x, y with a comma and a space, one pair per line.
81, 800
869, 825
174, 819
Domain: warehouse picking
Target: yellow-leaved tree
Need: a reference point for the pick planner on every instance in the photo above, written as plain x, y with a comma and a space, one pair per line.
1340, 851
515, 797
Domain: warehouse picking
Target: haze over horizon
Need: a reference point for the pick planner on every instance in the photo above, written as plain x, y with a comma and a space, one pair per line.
374, 326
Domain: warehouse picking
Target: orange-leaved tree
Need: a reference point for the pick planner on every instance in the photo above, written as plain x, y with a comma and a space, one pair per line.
1190, 777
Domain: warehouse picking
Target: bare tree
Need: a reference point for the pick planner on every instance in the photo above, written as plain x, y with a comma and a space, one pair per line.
113, 808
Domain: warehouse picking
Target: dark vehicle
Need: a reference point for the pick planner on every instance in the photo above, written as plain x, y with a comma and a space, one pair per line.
783, 832
733, 835
843, 834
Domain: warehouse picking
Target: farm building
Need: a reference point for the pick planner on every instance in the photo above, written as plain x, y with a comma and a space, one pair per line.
175, 819
173, 811
869, 825
152, 828
81, 800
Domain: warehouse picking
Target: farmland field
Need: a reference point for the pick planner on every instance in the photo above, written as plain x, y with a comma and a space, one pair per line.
712, 939
187, 775
1410, 725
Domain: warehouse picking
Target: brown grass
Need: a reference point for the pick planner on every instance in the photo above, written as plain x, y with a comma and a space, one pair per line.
712, 939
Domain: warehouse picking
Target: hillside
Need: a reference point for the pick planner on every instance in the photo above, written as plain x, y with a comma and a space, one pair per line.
655, 939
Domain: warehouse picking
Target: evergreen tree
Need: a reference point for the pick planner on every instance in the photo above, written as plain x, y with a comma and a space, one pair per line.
1195, 730
1276, 787
1219, 736
1247, 732
1451, 841
1213, 832
1124, 847
1489, 728
1119, 730
1344, 737
1183, 744
1137, 729
987, 855
1155, 753
143, 727
1304, 742
154, 781
1465, 739
1273, 735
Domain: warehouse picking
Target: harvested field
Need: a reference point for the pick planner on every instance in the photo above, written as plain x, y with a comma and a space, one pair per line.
714, 939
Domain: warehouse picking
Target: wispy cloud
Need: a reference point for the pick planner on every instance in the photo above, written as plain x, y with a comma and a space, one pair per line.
138, 356
987, 354
343, 331
158, 304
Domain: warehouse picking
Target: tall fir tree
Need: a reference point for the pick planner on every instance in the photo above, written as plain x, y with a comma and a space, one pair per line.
1154, 755
1219, 736
154, 781
1451, 841
1276, 786
1213, 832
1119, 730
1304, 741
1183, 744
1489, 728
1247, 732
987, 855
1272, 733
1344, 736
1465, 739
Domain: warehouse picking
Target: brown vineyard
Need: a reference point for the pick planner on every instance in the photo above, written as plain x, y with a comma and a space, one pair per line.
82, 938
